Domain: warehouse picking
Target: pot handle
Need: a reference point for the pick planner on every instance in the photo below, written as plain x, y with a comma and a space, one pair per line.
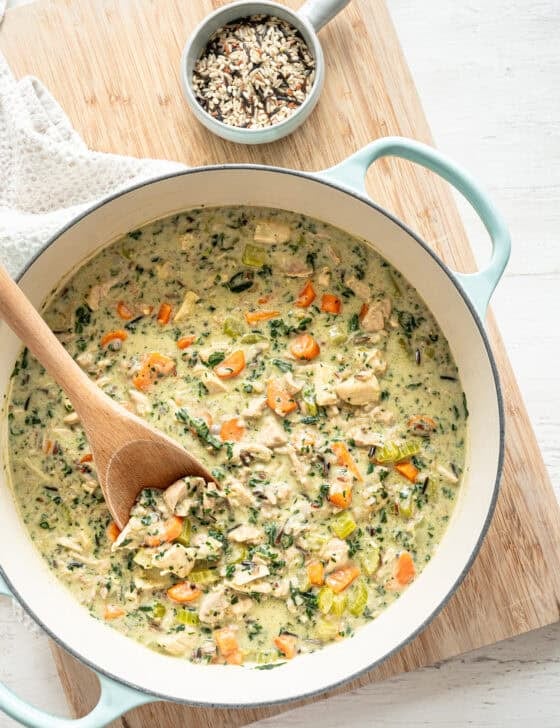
351, 174
321, 12
114, 700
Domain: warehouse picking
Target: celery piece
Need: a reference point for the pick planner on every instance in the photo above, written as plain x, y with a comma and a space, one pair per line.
343, 525
370, 561
325, 599
336, 335
185, 536
339, 605
392, 452
253, 256
264, 657
309, 404
204, 576
358, 598
184, 616
406, 506
252, 338
237, 553
233, 327
315, 541
158, 610
326, 631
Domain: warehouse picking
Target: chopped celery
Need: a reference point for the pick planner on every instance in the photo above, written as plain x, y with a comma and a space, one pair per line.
185, 536
158, 610
252, 338
253, 256
204, 576
392, 452
233, 327
184, 616
325, 599
265, 657
343, 525
370, 561
326, 631
315, 541
339, 604
406, 506
337, 335
237, 553
309, 404
358, 599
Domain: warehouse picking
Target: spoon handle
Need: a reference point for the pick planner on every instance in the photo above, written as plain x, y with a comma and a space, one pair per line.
20, 315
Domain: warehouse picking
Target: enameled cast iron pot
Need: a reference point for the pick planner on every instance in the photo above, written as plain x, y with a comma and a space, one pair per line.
131, 674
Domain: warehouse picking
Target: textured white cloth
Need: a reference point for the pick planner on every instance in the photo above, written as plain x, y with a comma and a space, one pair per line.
47, 174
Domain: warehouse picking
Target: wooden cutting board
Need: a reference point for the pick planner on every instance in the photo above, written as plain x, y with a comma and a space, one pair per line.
113, 66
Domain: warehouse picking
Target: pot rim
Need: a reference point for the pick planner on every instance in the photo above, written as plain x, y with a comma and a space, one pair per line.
313, 177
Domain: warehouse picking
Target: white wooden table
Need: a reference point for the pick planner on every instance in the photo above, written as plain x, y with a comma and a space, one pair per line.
488, 73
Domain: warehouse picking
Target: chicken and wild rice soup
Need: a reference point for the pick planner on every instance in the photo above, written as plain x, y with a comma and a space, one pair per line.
308, 376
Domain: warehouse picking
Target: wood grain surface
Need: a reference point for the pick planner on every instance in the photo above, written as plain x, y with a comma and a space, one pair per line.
113, 66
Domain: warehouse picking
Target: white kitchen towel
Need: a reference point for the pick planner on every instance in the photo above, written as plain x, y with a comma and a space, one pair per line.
47, 174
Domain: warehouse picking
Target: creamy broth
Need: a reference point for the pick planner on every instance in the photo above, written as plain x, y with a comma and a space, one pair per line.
313, 382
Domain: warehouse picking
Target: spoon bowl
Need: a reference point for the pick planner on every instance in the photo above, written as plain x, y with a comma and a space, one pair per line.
129, 454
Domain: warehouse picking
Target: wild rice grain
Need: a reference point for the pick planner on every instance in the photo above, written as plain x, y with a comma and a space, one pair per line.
254, 73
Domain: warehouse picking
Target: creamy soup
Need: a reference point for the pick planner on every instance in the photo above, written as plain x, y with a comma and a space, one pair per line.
313, 382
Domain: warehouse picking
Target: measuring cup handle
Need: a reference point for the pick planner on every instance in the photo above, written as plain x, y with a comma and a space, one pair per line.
321, 12
114, 700
351, 173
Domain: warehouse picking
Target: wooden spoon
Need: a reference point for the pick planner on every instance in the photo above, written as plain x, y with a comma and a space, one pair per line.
128, 454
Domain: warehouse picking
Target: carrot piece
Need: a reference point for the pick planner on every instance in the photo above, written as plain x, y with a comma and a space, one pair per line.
184, 592
279, 399
113, 532
405, 571
87, 458
331, 303
231, 366
304, 346
118, 335
124, 311
155, 366
185, 341
171, 530
113, 612
363, 311
253, 317
340, 495
231, 430
421, 425
287, 644
226, 641
316, 573
408, 470
306, 296
344, 458
264, 299
340, 579
164, 314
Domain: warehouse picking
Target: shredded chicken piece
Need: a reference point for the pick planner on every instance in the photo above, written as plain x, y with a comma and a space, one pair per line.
246, 534
98, 292
187, 307
335, 554
357, 392
271, 434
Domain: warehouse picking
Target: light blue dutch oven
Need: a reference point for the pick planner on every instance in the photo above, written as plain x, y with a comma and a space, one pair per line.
131, 674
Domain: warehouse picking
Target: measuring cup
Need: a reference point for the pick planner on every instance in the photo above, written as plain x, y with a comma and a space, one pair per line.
309, 20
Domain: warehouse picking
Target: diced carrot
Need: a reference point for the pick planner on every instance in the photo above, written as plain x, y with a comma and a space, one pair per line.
408, 470
113, 612
340, 495
278, 398
340, 579
405, 571
304, 346
344, 458
118, 335
164, 314
87, 458
171, 530
232, 430
253, 317
306, 296
363, 311
231, 366
184, 592
226, 641
264, 299
287, 644
331, 303
316, 573
421, 425
154, 366
124, 311
185, 341
113, 532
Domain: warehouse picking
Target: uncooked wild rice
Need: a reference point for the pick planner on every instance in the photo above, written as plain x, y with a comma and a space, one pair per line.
254, 73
